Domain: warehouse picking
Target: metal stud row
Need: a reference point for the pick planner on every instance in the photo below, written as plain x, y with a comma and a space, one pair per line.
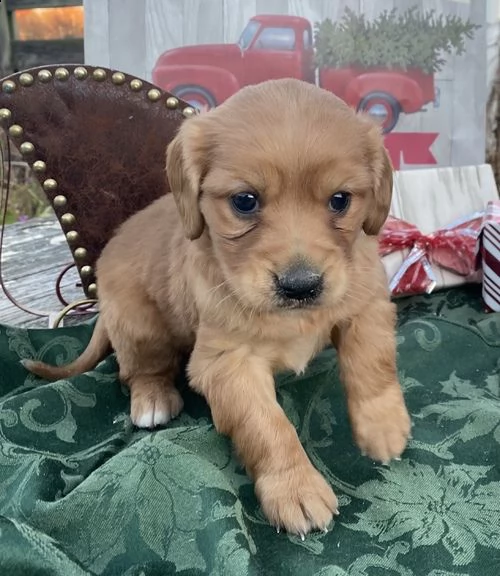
136, 85
27, 149
100, 75
68, 220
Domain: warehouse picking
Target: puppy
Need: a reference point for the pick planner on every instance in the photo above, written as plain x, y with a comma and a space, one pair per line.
264, 254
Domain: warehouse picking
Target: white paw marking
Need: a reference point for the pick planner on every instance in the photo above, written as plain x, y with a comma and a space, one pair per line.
145, 420
152, 418
161, 417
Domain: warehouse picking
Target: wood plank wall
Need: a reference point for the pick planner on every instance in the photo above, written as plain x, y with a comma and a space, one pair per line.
130, 35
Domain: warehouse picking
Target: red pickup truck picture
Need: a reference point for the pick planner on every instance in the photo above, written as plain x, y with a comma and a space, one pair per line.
278, 46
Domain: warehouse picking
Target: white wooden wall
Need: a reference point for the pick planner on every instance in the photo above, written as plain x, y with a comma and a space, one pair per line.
492, 40
130, 35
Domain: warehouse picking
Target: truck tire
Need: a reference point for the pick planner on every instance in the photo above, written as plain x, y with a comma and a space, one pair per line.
382, 107
196, 96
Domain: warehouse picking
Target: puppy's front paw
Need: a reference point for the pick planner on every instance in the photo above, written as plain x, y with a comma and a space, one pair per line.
154, 404
297, 499
381, 425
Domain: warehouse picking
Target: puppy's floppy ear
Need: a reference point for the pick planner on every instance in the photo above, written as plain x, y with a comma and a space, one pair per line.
185, 167
382, 195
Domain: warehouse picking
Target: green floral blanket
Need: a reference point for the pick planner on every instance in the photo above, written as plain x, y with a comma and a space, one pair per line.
82, 492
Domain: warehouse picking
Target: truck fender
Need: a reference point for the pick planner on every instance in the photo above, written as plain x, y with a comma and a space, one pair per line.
404, 90
220, 83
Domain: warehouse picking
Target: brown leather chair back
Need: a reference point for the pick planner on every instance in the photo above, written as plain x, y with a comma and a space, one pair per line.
96, 140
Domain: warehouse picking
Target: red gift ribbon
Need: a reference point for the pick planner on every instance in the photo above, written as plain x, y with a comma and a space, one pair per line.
453, 247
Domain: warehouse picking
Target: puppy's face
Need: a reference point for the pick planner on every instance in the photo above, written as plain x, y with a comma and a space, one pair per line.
283, 177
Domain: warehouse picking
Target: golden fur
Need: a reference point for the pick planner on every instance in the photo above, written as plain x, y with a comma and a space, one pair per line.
205, 282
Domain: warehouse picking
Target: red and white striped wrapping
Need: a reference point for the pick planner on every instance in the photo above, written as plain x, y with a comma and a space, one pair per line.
453, 247
490, 255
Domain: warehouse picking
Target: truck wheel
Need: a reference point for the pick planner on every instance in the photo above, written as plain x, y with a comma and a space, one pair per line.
383, 108
195, 96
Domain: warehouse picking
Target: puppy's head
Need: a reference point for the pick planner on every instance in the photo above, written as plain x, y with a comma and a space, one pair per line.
282, 178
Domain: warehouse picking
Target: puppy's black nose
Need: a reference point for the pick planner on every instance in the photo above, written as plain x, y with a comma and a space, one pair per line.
299, 282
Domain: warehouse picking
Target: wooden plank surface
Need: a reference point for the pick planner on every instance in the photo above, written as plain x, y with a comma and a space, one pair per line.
34, 254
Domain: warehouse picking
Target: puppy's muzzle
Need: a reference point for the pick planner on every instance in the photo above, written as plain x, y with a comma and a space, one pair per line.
299, 284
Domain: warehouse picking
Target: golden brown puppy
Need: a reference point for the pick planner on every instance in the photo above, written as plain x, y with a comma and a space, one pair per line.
281, 191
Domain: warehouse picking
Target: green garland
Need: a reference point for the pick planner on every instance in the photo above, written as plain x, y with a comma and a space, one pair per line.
411, 39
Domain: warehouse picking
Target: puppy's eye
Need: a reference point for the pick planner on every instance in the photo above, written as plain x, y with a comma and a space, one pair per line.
339, 202
245, 202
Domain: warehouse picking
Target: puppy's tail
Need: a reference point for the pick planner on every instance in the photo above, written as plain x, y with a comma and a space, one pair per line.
96, 350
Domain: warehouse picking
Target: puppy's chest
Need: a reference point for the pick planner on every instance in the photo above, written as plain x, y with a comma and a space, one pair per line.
295, 354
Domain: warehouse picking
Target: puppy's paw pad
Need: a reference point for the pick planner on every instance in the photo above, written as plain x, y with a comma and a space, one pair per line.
298, 500
152, 410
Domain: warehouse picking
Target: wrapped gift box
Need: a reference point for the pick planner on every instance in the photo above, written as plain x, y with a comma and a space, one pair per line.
441, 210
490, 257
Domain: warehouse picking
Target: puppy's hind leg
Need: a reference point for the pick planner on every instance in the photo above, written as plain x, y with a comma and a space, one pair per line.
148, 361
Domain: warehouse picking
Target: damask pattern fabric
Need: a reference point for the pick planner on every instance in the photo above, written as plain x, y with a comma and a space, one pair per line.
84, 493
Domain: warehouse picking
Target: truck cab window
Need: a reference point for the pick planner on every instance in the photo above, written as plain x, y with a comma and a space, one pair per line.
307, 39
248, 34
276, 39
